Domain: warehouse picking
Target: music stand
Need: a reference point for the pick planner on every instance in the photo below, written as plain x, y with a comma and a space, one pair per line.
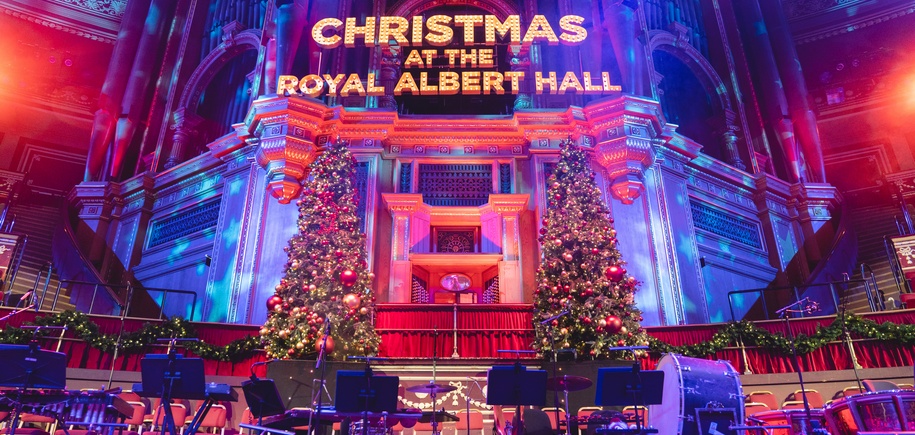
625, 386
263, 398
374, 393
172, 376
516, 386
28, 366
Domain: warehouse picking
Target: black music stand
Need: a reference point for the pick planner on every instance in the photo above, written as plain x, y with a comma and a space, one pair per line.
172, 376
373, 393
263, 398
516, 386
27, 367
629, 386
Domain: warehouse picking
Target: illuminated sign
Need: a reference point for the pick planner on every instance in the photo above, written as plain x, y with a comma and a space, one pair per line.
440, 31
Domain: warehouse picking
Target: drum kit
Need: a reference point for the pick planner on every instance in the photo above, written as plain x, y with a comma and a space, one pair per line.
433, 390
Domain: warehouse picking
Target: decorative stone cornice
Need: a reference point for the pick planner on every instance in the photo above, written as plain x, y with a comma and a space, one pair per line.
508, 203
627, 129
403, 202
815, 201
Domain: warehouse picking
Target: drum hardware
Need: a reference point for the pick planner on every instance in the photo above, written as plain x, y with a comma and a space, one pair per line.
555, 357
377, 394
565, 384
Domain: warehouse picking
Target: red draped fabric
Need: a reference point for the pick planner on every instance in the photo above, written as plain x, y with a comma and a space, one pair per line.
409, 331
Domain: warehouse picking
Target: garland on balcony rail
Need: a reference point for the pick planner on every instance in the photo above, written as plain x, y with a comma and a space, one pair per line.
734, 332
238, 350
136, 341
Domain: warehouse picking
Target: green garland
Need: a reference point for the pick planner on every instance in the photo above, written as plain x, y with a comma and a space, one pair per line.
752, 335
137, 341
241, 349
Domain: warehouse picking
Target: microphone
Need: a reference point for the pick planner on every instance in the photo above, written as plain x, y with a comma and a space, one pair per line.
260, 363
548, 320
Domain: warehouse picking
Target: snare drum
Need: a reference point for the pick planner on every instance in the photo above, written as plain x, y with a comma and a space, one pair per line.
691, 385
879, 411
797, 418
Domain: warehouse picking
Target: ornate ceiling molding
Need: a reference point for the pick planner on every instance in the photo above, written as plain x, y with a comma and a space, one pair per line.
95, 20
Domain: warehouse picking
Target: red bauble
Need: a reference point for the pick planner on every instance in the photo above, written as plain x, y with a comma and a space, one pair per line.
328, 348
273, 301
614, 324
615, 273
348, 278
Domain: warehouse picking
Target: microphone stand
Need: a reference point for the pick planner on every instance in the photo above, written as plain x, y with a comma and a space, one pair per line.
469, 389
786, 314
322, 356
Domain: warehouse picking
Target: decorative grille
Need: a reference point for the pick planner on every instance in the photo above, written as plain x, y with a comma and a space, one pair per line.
455, 184
184, 223
724, 224
406, 177
491, 291
362, 182
505, 178
419, 294
455, 241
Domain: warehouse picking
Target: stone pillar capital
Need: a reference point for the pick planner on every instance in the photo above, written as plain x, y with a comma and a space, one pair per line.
627, 130
286, 131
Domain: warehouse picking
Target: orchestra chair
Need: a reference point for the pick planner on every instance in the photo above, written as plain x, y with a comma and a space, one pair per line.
584, 413
476, 422
814, 398
766, 397
179, 412
246, 418
793, 404
630, 411
42, 425
215, 419
905, 386
551, 413
873, 386
135, 422
751, 408
536, 422
130, 396
852, 391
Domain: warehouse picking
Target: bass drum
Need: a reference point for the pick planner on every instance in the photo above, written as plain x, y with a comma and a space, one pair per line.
692, 384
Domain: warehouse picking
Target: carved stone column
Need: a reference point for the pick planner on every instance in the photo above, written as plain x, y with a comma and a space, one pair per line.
185, 127
814, 203
728, 139
626, 129
509, 207
94, 201
402, 207
285, 130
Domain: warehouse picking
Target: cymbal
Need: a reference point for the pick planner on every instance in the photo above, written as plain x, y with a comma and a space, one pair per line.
568, 383
431, 388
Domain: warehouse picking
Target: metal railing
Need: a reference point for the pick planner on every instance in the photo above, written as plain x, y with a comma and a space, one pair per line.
42, 292
839, 302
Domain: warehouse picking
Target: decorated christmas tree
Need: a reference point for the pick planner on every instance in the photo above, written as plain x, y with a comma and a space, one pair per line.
326, 285
582, 281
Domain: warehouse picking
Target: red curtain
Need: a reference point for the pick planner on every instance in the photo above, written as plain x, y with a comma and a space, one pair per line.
408, 331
